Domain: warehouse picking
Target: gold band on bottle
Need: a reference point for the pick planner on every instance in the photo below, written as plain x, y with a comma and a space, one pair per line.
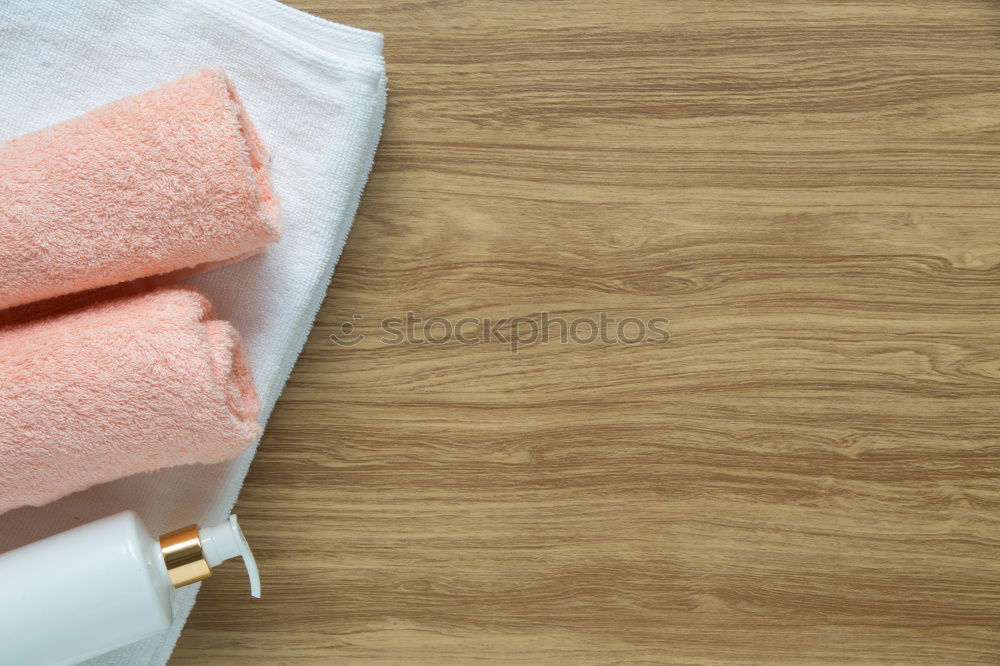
183, 556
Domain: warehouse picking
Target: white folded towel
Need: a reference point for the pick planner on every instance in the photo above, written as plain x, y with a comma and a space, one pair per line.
315, 91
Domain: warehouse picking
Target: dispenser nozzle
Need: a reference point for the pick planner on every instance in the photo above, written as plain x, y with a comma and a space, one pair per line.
226, 541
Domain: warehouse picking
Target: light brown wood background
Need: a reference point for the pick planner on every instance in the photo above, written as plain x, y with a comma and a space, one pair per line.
807, 473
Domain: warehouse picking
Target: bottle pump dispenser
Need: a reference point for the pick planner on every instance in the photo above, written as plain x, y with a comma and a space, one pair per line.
103, 585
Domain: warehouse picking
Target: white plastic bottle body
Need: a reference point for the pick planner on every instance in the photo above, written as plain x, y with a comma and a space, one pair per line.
81, 593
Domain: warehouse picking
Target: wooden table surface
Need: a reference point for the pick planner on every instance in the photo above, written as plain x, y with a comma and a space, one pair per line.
806, 472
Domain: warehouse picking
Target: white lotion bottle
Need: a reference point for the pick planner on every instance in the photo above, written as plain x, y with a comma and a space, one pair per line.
103, 585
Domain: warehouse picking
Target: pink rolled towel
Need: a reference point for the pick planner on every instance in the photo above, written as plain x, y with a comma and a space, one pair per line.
116, 388
171, 179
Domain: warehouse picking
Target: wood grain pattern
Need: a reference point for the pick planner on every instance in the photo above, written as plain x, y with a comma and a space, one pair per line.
807, 473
